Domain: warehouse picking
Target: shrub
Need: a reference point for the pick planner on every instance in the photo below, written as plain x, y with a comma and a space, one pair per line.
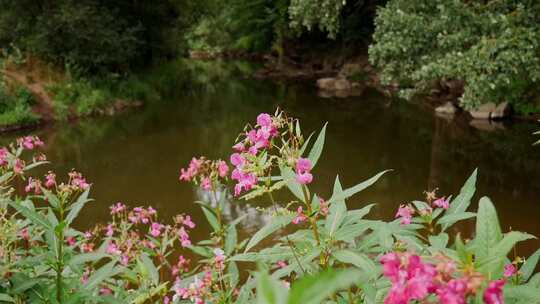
321, 249
492, 46
15, 107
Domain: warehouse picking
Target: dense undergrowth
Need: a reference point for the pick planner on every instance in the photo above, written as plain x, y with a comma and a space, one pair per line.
321, 251
15, 106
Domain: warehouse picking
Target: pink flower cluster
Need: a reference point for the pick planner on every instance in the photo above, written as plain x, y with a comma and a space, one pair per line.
204, 171
29, 142
196, 291
406, 212
256, 140
414, 280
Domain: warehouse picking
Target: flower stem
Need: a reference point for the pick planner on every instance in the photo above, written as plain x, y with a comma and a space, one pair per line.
289, 243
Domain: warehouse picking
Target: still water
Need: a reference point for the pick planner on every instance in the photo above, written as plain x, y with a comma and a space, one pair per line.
135, 157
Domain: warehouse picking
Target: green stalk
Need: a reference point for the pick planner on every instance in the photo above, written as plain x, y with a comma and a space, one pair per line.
289, 243
60, 256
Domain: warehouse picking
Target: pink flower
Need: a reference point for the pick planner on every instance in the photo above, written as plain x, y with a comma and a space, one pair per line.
509, 270
303, 169
70, 241
494, 292
303, 165
50, 179
105, 291
3, 156
184, 237
264, 120
281, 264
239, 147
442, 203
405, 212
219, 258
124, 259
411, 278
185, 175
304, 178
118, 208
206, 183
19, 166
300, 216
113, 249
237, 160
246, 181
155, 229
323, 208
24, 234
188, 222
110, 230
453, 293
223, 169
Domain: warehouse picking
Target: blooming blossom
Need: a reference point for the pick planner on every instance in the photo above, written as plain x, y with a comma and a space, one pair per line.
405, 212
494, 292
303, 169
300, 216
442, 203
509, 270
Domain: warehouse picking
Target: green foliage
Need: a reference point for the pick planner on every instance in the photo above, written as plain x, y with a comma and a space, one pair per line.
325, 251
492, 46
95, 35
15, 106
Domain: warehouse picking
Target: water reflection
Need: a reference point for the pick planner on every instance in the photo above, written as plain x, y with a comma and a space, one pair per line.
135, 157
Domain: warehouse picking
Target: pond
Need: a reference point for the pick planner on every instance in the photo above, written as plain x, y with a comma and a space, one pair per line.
135, 157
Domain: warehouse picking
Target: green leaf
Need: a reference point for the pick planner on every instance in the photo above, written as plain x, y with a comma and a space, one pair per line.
337, 210
450, 219
314, 289
231, 239
210, 216
343, 195
106, 271
150, 268
33, 216
290, 178
359, 260
439, 241
77, 206
270, 290
488, 230
86, 257
463, 200
6, 298
275, 224
493, 263
318, 146
528, 267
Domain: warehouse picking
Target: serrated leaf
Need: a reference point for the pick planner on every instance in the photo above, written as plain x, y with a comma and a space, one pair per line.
77, 206
270, 290
450, 219
463, 200
528, 267
314, 289
488, 230
359, 260
231, 239
343, 195
316, 150
275, 224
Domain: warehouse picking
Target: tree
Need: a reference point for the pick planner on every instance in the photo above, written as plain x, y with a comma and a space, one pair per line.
492, 46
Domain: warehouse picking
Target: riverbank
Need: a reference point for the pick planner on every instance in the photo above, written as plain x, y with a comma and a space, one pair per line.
50, 95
